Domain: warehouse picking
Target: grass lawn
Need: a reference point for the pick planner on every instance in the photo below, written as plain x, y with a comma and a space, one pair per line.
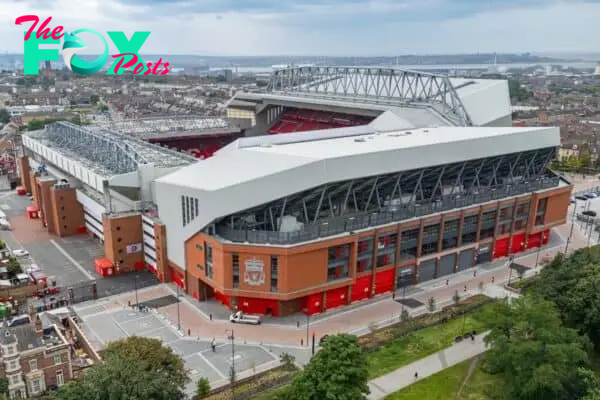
405, 349
446, 384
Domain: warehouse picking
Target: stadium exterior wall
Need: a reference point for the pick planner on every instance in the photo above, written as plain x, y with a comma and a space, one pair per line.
301, 272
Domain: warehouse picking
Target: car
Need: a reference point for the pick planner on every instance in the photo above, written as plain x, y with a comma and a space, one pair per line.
589, 213
581, 197
241, 318
20, 253
588, 196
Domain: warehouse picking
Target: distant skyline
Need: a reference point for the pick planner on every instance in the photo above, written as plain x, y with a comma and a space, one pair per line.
324, 27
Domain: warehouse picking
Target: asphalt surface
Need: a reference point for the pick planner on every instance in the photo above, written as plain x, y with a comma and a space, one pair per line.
69, 260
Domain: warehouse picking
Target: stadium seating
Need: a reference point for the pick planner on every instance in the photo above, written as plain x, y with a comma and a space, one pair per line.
297, 120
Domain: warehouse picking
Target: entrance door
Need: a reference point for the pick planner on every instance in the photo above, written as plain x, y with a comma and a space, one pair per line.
427, 270
446, 265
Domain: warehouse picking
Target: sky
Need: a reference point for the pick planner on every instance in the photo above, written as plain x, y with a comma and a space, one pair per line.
322, 27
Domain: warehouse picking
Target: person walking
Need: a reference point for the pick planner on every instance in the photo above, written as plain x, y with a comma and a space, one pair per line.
213, 345
416, 376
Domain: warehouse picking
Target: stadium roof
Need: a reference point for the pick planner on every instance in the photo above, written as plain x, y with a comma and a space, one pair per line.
424, 99
105, 152
282, 165
158, 128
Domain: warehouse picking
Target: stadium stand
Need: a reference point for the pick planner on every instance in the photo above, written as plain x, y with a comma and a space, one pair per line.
299, 120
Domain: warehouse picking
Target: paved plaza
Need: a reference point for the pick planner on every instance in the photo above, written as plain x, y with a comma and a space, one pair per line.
106, 321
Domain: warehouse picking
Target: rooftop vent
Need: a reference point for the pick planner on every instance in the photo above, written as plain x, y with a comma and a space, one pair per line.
408, 133
360, 140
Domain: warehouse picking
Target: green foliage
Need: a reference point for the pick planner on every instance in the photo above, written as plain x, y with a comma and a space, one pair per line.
517, 92
2, 245
3, 386
537, 356
156, 357
37, 124
338, 371
4, 116
120, 378
404, 315
102, 108
14, 267
202, 388
573, 283
94, 99
287, 360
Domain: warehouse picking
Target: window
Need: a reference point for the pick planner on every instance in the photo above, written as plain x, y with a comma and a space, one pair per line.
13, 364
36, 386
451, 226
208, 259
235, 261
10, 350
60, 379
274, 272
32, 365
431, 230
15, 379
57, 359
472, 219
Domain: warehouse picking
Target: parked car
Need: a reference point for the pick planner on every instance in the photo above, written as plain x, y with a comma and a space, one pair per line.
589, 196
581, 197
241, 318
39, 277
589, 213
20, 253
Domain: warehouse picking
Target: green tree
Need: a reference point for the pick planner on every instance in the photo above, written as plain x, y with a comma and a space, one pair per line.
94, 99
3, 386
4, 116
338, 371
537, 356
156, 357
585, 160
202, 388
573, 283
120, 378
13, 266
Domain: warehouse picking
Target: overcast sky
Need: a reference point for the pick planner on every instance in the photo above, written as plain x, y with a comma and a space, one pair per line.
323, 27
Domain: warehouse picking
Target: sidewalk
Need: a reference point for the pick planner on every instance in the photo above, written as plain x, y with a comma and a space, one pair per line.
425, 367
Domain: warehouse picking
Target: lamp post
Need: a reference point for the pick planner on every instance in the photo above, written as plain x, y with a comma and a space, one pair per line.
231, 336
572, 227
135, 283
537, 257
178, 311
307, 324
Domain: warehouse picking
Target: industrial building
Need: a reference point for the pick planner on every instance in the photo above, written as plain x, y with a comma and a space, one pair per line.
349, 183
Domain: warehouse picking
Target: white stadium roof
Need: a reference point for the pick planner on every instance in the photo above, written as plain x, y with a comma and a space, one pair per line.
255, 170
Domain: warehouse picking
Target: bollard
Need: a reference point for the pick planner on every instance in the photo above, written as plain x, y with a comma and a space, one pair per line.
394, 296
493, 279
189, 332
465, 288
210, 316
297, 324
447, 282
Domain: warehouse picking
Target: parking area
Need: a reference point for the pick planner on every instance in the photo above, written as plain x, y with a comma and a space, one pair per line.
106, 322
69, 260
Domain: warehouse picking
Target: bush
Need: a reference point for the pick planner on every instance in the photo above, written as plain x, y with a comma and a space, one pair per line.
287, 360
202, 388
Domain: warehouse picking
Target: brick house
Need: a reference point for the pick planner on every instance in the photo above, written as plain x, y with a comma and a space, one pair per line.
34, 359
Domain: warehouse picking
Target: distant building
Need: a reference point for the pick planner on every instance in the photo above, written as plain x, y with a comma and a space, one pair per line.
597, 70
34, 359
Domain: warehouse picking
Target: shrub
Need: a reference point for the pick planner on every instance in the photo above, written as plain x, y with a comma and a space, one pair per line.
202, 388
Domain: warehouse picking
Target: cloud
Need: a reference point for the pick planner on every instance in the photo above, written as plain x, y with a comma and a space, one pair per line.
324, 27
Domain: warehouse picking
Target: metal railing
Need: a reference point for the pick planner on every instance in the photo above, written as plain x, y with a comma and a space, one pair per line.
346, 224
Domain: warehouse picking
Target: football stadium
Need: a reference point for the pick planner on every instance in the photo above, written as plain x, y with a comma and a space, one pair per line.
348, 183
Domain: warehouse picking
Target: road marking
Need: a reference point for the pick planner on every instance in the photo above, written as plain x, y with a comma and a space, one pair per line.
211, 365
73, 261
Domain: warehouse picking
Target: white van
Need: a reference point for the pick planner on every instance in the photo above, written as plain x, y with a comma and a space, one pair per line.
19, 320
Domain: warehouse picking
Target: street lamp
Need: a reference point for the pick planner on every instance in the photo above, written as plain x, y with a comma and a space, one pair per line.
537, 257
307, 324
135, 283
572, 227
231, 336
178, 311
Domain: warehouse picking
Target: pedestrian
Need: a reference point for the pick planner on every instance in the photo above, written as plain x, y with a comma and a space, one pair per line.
465, 288
213, 345
447, 282
493, 279
472, 338
416, 375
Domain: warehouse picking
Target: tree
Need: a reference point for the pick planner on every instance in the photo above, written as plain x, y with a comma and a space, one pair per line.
4, 116
153, 354
572, 284
120, 378
94, 99
537, 356
202, 388
3, 386
338, 371
13, 266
